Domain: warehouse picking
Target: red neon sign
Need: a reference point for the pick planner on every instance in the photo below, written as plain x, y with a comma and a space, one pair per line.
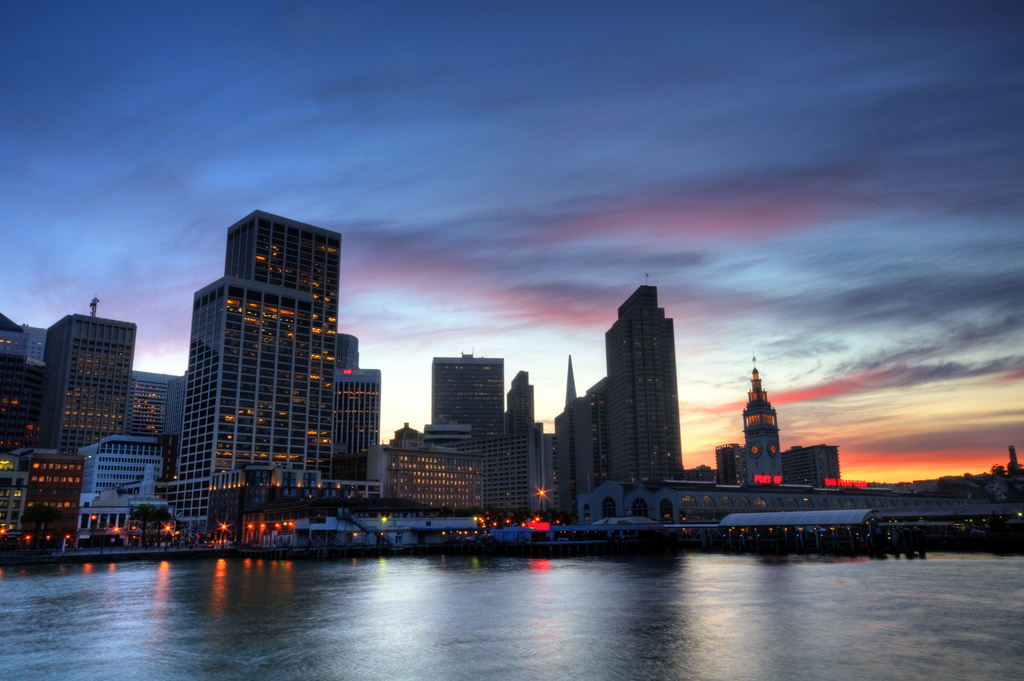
540, 527
837, 482
768, 479
346, 371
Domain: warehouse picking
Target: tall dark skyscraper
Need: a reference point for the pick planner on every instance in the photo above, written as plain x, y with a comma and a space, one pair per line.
260, 380
469, 390
519, 415
21, 388
643, 396
86, 382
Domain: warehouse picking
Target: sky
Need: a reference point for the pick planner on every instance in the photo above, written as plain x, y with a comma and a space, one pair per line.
834, 188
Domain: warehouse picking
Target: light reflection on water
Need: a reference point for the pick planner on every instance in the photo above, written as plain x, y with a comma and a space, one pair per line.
689, 616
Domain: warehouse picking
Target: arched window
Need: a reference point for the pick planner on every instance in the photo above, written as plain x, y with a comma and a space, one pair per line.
836, 503
791, 503
744, 502
759, 502
862, 503
688, 502
776, 502
608, 508
640, 507
806, 503
666, 511
848, 503
726, 502
822, 502
707, 502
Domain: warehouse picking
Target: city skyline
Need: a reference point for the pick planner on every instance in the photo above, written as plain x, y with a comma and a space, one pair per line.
834, 189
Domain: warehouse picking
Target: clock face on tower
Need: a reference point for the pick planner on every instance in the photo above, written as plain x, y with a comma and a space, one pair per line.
755, 450
772, 449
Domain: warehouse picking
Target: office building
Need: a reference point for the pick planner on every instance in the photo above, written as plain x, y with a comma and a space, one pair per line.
36, 342
816, 465
761, 434
469, 390
357, 421
55, 479
436, 476
347, 355
86, 381
582, 443
643, 396
517, 471
21, 388
519, 410
13, 485
358, 412
260, 381
147, 403
119, 461
731, 464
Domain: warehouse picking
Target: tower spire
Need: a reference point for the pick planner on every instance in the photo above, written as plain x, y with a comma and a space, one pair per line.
570, 386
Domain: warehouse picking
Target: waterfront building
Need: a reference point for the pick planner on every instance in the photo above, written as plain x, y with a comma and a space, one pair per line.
107, 520
54, 478
86, 381
731, 464
147, 403
643, 395
761, 434
260, 381
342, 523
469, 389
675, 502
232, 492
21, 388
817, 465
435, 476
14, 475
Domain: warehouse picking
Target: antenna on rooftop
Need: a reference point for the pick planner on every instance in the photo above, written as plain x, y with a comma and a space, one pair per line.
92, 305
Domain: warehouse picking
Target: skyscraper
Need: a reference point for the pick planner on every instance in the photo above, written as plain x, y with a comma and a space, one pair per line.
519, 415
469, 390
643, 396
21, 388
358, 422
86, 381
260, 381
147, 403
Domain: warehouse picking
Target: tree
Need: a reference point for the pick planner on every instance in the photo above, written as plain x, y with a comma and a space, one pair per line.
42, 515
146, 513
998, 470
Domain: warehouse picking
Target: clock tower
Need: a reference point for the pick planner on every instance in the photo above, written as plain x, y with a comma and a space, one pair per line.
761, 430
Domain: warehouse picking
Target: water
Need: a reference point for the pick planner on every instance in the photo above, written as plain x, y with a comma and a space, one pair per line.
690, 616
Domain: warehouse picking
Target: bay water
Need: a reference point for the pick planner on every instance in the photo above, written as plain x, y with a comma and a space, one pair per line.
681, 616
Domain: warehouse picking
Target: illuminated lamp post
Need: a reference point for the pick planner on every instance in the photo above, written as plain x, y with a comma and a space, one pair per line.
543, 494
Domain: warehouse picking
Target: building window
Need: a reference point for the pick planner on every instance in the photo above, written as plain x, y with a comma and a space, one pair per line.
608, 507
639, 507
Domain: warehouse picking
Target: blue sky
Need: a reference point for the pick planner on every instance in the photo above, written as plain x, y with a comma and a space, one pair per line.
834, 188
